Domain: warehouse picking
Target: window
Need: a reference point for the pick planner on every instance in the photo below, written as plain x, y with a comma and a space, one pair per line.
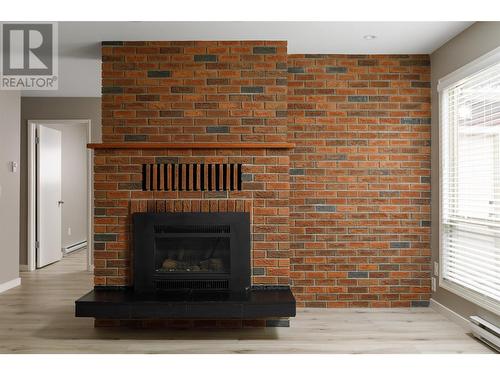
470, 186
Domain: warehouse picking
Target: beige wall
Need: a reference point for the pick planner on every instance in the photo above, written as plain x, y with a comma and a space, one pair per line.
48, 108
9, 186
472, 43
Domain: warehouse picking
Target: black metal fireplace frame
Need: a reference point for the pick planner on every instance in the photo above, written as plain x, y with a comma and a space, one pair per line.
147, 280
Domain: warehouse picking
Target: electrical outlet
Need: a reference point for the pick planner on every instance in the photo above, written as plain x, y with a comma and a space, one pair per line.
433, 284
69, 231
436, 269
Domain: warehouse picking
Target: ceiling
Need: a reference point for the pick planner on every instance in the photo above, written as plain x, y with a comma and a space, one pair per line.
79, 42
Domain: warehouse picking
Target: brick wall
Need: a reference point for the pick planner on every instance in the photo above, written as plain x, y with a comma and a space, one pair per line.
117, 194
193, 92
360, 185
344, 216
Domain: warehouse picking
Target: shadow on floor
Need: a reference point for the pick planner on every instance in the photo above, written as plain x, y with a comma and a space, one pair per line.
83, 329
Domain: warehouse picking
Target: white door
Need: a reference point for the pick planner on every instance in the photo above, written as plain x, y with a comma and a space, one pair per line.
49, 193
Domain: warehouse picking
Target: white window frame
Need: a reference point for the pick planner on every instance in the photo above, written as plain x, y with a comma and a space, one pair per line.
449, 80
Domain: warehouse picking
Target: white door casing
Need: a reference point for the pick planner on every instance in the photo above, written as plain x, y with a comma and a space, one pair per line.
49, 194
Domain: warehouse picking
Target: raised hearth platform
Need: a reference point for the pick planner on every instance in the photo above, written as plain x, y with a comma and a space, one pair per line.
256, 303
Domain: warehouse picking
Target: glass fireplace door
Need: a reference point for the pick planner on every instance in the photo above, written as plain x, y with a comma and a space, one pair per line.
192, 253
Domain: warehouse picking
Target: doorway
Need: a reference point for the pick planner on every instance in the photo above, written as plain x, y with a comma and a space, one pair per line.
59, 191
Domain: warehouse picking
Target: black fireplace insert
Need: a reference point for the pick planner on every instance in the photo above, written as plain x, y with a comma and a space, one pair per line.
191, 251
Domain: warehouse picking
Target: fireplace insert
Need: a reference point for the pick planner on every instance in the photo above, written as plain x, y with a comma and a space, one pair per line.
191, 251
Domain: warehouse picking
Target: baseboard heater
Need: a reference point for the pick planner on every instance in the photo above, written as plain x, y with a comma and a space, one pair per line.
486, 332
76, 246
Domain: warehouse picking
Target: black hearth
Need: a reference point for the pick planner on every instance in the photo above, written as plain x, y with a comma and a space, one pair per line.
190, 266
191, 251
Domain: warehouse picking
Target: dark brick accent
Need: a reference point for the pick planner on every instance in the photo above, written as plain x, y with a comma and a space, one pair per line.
112, 90
420, 303
104, 237
337, 157
99, 246
205, 58
425, 179
217, 129
297, 171
400, 245
159, 73
336, 69
98, 211
325, 208
252, 89
357, 275
415, 121
295, 69
315, 201
258, 271
135, 138
264, 50
358, 98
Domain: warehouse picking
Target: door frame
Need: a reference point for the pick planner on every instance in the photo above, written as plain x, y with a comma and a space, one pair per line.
32, 124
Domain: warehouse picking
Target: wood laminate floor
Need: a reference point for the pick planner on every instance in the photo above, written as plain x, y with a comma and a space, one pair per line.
38, 317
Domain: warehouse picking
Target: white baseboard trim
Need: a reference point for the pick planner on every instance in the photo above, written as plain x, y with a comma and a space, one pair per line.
74, 247
450, 314
10, 284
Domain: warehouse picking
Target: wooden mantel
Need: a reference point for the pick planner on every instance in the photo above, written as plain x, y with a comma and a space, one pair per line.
195, 145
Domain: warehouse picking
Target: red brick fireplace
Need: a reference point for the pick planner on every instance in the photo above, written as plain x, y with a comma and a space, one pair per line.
228, 95
335, 155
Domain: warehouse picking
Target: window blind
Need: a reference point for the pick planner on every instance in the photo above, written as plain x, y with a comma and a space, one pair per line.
470, 184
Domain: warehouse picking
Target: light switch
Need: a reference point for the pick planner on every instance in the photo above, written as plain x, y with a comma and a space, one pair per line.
13, 166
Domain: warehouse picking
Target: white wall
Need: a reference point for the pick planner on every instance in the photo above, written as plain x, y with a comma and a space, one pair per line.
10, 135
74, 182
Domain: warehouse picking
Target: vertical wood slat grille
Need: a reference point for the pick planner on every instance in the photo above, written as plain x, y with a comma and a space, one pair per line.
191, 177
